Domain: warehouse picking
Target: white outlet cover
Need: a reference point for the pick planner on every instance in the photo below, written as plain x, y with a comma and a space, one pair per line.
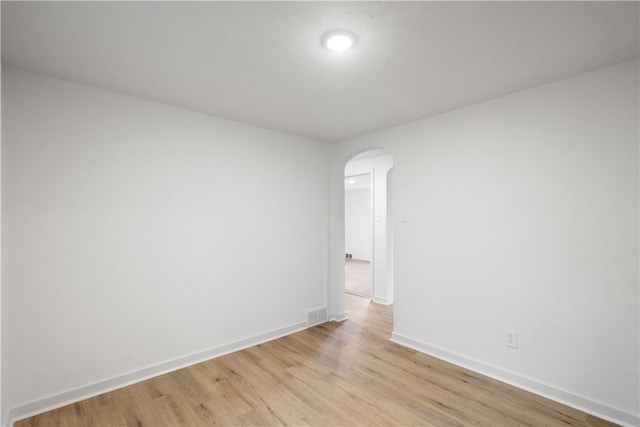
511, 339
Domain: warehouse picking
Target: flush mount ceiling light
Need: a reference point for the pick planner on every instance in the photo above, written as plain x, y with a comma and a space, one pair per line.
339, 40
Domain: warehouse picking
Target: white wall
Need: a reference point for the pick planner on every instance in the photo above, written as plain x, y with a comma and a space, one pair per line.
522, 214
358, 231
2, 406
137, 233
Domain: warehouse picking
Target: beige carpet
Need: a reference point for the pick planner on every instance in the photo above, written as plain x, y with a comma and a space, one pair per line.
357, 277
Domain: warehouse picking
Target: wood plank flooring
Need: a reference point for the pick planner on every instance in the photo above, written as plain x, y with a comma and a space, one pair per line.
357, 277
335, 374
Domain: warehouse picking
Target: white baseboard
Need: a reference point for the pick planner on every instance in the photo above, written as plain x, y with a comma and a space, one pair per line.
338, 317
101, 387
383, 301
567, 398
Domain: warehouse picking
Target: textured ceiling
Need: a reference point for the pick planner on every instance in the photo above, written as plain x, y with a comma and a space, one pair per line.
262, 62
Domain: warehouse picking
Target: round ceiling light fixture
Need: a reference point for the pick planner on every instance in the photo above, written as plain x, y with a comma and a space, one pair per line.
339, 40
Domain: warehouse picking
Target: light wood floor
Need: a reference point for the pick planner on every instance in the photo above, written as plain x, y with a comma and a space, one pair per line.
357, 277
334, 374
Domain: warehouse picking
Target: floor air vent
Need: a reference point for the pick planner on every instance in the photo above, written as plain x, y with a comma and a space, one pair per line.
317, 316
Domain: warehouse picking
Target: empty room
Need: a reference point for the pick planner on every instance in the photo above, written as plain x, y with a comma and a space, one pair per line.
182, 183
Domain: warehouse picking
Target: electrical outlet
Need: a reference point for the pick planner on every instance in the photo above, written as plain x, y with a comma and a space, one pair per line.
511, 339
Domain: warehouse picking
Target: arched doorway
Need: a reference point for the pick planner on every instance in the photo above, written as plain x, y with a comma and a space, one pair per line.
374, 166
